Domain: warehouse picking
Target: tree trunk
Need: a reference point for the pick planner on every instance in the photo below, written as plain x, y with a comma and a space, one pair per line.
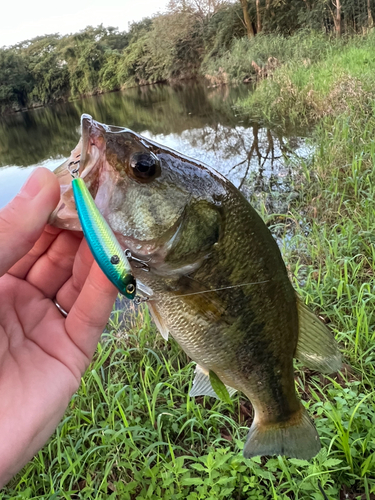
246, 17
259, 21
308, 6
337, 19
369, 15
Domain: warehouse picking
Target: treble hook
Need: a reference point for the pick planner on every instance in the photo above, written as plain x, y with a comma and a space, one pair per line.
143, 263
139, 300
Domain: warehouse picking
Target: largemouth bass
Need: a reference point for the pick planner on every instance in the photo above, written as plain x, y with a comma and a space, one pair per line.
216, 282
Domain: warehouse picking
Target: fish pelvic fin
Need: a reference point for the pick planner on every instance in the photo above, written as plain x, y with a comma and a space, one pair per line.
158, 320
317, 348
202, 385
295, 437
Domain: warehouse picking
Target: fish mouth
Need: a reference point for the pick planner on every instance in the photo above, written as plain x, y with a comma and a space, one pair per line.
85, 161
92, 145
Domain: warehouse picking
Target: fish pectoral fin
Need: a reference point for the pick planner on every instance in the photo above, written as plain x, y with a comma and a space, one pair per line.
202, 385
317, 348
295, 437
158, 320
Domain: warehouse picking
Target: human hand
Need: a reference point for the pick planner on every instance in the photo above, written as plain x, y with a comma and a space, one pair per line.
43, 354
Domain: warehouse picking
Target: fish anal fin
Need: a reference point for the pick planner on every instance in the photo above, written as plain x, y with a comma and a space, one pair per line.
158, 320
317, 348
202, 385
295, 437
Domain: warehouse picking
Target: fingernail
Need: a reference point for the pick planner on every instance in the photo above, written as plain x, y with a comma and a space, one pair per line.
32, 186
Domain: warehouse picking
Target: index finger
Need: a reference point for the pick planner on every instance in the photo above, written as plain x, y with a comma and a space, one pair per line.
90, 313
22, 221
23, 266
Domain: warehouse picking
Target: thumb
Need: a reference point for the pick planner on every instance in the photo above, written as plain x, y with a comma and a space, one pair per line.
22, 221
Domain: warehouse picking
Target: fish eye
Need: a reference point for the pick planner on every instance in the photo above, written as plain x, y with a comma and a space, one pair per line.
145, 166
130, 288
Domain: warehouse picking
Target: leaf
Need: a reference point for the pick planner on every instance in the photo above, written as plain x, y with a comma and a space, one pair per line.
219, 388
299, 462
225, 480
198, 467
225, 492
265, 474
188, 481
331, 462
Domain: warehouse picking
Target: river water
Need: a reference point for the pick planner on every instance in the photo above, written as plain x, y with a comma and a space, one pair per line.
200, 122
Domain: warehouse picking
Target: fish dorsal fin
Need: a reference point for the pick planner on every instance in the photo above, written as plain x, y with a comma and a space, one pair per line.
158, 320
202, 385
317, 348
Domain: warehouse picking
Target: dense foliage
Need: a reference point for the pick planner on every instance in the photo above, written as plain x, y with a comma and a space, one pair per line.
190, 38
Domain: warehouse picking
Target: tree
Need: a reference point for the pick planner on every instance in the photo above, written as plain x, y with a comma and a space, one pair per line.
15, 81
369, 15
259, 21
247, 20
203, 10
48, 71
337, 18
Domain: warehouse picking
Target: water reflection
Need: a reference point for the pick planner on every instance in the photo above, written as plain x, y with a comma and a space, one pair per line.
197, 121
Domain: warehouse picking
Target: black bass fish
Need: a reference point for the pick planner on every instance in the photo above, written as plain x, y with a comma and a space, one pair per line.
216, 282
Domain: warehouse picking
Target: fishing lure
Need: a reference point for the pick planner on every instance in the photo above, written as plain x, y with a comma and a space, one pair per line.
102, 242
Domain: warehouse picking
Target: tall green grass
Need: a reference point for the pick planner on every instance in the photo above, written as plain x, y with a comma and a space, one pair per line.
304, 47
132, 432
304, 90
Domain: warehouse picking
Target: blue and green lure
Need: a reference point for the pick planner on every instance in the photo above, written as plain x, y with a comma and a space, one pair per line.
102, 242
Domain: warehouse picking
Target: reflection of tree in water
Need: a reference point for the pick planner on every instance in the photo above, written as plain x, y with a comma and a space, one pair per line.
267, 162
255, 159
31, 137
197, 121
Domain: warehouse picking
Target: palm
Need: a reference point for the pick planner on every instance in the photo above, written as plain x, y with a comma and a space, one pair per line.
33, 339
35, 380
43, 354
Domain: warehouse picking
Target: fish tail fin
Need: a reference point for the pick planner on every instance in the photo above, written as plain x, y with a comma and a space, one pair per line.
317, 348
296, 437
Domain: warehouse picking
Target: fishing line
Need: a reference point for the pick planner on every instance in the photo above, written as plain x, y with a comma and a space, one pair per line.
146, 299
223, 288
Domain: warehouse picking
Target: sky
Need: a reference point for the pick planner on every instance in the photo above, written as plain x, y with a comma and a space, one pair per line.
26, 19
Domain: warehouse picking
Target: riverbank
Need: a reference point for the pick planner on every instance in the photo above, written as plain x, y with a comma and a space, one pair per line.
185, 42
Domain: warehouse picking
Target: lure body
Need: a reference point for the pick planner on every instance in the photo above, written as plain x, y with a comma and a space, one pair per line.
102, 242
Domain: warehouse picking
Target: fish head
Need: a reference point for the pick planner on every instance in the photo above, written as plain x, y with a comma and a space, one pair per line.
159, 203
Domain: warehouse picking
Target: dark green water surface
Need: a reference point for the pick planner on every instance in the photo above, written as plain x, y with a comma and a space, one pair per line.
198, 121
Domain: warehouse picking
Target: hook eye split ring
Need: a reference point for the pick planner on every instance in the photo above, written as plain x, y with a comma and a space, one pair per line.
140, 300
74, 172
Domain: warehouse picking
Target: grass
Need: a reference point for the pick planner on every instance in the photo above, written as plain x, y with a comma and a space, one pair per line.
304, 90
304, 47
132, 432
